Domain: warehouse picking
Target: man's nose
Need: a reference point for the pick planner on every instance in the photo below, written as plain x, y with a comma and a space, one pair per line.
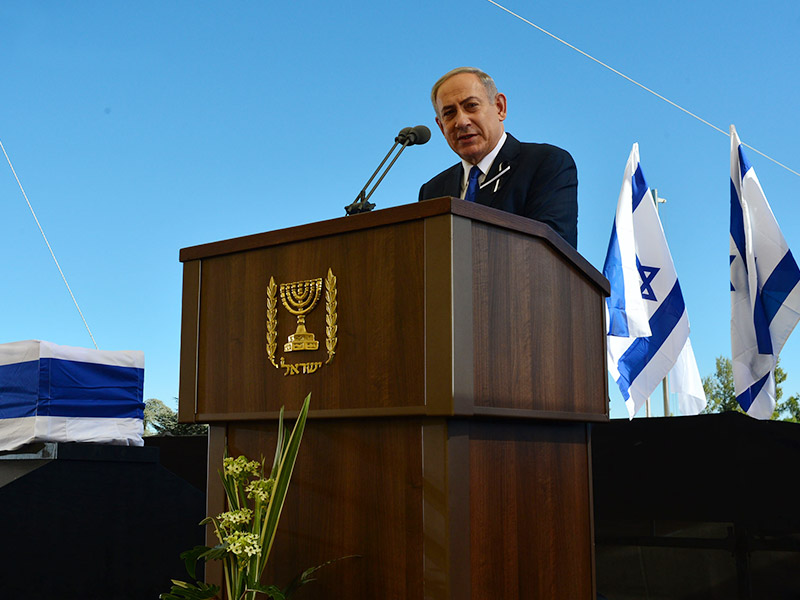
462, 119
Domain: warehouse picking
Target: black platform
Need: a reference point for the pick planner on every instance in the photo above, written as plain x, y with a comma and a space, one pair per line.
88, 521
697, 508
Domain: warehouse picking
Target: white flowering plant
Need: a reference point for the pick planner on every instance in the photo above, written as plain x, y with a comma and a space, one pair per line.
247, 529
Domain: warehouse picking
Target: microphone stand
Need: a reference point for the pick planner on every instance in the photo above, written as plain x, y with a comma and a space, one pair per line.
361, 204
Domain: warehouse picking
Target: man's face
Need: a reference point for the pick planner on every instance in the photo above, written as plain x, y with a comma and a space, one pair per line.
471, 122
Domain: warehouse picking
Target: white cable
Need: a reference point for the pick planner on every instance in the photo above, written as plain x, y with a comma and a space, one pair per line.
633, 81
19, 183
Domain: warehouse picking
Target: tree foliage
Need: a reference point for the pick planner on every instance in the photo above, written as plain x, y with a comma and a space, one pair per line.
721, 394
160, 419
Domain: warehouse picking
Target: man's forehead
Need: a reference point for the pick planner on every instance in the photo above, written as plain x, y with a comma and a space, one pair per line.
460, 88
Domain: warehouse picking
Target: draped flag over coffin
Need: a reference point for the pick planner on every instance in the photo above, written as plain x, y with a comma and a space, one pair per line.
52, 393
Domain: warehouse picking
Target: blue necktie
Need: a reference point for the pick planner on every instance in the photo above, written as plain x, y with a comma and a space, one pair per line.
472, 186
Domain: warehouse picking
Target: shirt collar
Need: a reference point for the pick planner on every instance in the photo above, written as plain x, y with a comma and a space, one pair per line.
485, 163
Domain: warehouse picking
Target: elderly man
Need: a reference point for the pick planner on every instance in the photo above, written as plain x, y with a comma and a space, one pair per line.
538, 181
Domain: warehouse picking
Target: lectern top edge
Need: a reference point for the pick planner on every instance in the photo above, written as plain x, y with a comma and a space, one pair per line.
377, 218
399, 214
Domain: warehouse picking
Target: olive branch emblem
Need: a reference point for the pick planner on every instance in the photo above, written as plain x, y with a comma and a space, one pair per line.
272, 320
331, 321
330, 315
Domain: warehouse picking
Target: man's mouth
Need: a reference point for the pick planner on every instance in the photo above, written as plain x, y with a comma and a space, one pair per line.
467, 137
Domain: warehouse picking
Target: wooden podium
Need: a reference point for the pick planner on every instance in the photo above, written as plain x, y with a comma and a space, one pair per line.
460, 364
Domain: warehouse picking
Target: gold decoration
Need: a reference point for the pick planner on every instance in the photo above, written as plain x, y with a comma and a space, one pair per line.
272, 320
330, 315
299, 298
297, 368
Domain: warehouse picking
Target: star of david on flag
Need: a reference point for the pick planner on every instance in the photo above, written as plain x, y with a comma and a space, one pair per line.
648, 274
648, 325
765, 297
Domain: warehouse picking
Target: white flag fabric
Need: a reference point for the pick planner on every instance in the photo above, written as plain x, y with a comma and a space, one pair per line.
685, 382
646, 315
765, 297
626, 310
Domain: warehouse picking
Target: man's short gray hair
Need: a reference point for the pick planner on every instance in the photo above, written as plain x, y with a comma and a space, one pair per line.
488, 83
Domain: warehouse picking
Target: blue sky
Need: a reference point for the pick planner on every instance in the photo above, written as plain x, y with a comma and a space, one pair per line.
141, 128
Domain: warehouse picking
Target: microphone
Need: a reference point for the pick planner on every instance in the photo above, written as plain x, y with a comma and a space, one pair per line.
401, 137
419, 135
407, 136
414, 135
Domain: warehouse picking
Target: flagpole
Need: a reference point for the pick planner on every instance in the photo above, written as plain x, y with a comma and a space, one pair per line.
664, 382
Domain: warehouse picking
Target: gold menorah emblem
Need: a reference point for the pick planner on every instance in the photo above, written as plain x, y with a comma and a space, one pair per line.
299, 298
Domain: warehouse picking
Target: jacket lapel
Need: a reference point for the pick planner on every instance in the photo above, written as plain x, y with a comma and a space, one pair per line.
503, 168
452, 183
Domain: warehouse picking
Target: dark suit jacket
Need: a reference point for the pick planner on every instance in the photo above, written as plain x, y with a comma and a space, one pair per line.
541, 184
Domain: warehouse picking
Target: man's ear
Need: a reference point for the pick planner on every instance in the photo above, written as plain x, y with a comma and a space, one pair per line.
439, 123
500, 103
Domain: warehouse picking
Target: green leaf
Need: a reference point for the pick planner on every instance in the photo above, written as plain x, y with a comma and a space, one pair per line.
186, 591
190, 558
218, 552
271, 591
282, 479
278, 446
305, 577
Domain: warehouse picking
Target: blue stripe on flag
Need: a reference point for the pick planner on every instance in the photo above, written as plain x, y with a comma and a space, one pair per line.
737, 223
78, 389
744, 164
19, 383
747, 397
779, 285
612, 269
642, 350
761, 317
761, 324
63, 388
732, 259
639, 186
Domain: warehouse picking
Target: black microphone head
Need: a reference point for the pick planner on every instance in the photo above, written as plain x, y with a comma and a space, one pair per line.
403, 135
419, 135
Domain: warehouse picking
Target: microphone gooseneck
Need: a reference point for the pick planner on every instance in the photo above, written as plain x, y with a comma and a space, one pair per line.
408, 136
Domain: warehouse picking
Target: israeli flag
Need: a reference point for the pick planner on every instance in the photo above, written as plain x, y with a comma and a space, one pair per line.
765, 299
52, 393
686, 384
648, 327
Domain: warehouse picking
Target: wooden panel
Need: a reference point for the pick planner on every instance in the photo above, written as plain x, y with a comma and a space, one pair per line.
531, 508
438, 315
463, 315
357, 489
379, 359
435, 511
539, 342
490, 509
506, 221
215, 496
187, 404
462, 553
